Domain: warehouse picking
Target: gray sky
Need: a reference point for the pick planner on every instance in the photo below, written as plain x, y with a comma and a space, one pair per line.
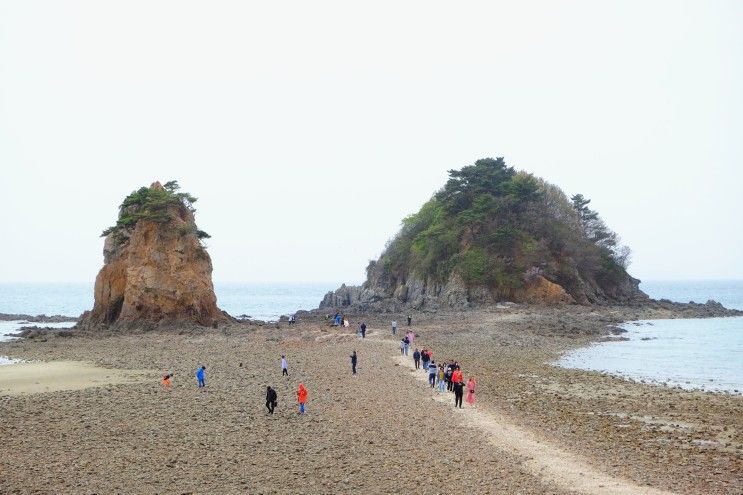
308, 130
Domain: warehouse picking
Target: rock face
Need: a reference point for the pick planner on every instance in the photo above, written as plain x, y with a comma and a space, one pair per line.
454, 294
155, 269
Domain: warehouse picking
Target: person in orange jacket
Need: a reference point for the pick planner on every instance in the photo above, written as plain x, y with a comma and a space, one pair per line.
301, 397
457, 377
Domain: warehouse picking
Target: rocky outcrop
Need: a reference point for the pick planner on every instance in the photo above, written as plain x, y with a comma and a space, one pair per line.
37, 318
155, 270
424, 294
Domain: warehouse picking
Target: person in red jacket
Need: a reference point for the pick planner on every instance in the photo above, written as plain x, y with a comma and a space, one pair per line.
457, 377
301, 397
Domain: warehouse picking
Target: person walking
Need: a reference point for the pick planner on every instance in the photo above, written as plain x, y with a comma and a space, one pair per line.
410, 320
456, 376
301, 397
354, 360
458, 394
447, 375
201, 376
402, 347
363, 330
284, 366
394, 327
417, 358
424, 359
432, 371
471, 391
271, 399
406, 345
441, 378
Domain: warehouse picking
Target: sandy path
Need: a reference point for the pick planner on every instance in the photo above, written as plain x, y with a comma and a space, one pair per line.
543, 459
37, 377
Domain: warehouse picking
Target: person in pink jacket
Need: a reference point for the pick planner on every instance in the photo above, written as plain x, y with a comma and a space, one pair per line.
470, 392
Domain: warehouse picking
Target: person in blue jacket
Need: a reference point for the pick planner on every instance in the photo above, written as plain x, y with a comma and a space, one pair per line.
201, 376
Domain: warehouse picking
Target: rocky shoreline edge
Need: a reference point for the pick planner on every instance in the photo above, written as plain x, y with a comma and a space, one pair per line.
612, 316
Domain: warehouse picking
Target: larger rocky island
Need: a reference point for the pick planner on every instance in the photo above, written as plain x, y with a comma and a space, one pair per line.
493, 234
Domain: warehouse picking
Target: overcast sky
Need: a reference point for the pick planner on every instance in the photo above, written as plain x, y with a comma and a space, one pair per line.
308, 130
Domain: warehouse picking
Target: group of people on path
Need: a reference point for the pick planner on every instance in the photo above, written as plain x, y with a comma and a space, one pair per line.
447, 375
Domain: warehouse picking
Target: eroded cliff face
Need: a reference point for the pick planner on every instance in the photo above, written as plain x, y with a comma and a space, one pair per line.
156, 272
454, 294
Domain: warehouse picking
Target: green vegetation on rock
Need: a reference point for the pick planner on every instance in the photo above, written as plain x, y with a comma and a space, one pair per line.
496, 227
153, 204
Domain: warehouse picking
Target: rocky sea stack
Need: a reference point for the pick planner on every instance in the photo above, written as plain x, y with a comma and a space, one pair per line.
494, 234
156, 271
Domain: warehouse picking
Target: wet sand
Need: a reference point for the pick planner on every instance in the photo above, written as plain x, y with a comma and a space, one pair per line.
37, 377
380, 431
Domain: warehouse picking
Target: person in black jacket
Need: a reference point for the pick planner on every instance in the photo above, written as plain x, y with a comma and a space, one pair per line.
271, 399
417, 358
458, 394
353, 362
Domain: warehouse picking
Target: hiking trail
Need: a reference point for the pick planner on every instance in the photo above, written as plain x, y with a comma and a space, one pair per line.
543, 459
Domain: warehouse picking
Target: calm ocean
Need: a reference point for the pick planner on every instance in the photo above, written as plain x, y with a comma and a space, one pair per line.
262, 301
705, 354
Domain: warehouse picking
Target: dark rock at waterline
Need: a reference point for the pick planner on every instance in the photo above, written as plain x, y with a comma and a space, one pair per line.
35, 332
37, 318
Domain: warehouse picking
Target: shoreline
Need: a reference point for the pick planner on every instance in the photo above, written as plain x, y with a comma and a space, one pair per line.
586, 357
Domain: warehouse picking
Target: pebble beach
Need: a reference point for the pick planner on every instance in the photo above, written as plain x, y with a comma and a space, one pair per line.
535, 428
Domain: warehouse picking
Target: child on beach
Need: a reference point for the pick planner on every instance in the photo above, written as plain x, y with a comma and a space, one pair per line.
201, 376
166, 382
301, 397
471, 391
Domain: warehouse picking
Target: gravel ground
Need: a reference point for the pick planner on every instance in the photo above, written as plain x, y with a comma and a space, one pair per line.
376, 432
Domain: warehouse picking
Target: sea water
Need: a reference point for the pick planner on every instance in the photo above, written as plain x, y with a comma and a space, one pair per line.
705, 354
260, 301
